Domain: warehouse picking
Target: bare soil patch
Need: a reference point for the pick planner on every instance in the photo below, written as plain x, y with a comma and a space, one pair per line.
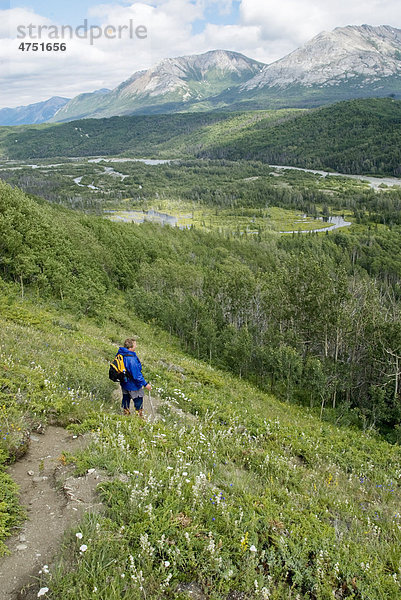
54, 500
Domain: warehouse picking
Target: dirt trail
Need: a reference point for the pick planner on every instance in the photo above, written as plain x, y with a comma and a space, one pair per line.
50, 510
54, 500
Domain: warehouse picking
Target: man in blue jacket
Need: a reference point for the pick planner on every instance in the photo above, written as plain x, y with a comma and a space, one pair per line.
134, 382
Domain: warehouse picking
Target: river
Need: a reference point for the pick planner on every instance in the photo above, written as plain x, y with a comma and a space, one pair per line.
335, 223
374, 182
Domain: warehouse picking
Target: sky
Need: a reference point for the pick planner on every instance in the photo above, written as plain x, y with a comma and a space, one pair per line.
264, 30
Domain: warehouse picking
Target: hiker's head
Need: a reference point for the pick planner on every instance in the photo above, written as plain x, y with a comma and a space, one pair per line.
130, 343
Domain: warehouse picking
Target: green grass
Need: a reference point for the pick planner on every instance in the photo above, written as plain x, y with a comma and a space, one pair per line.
232, 489
239, 221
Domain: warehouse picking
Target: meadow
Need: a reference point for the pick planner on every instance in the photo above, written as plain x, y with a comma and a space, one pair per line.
229, 492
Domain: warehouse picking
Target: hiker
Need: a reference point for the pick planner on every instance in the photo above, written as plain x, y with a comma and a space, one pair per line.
134, 382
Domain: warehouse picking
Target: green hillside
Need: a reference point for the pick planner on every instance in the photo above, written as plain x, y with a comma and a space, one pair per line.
231, 490
357, 136
280, 311
161, 135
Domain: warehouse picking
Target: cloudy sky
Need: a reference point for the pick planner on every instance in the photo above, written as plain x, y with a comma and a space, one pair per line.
261, 29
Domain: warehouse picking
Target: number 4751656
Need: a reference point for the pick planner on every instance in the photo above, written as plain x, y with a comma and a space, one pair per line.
42, 47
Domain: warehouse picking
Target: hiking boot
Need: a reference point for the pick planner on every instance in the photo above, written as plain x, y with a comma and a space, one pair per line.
127, 411
140, 413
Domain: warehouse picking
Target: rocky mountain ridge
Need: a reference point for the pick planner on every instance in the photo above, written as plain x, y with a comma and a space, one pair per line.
330, 58
173, 80
346, 63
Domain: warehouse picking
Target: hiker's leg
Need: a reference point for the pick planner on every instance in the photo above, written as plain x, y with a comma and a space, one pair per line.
139, 406
126, 402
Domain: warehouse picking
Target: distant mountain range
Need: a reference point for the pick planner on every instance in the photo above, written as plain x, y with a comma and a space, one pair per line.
39, 112
347, 63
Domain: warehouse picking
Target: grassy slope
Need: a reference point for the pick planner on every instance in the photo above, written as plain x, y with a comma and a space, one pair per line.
247, 489
319, 504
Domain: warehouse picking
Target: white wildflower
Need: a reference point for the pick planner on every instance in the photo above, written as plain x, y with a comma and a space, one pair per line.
83, 548
79, 535
166, 582
145, 544
44, 569
42, 591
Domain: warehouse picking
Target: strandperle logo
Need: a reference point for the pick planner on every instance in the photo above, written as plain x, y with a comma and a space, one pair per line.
82, 32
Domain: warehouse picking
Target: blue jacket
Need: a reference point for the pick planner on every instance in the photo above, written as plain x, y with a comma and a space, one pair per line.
134, 369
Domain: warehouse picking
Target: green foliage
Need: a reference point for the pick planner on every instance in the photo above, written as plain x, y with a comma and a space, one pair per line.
91, 137
231, 491
228, 488
11, 514
357, 136
267, 309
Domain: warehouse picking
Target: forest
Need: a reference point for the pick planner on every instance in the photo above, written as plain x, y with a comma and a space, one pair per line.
313, 318
241, 187
357, 136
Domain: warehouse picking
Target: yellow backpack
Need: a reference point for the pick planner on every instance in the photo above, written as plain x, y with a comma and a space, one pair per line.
117, 371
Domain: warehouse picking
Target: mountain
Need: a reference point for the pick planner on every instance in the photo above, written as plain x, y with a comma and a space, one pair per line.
33, 113
349, 62
343, 64
359, 136
174, 84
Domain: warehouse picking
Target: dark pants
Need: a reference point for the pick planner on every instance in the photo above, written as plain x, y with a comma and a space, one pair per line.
127, 396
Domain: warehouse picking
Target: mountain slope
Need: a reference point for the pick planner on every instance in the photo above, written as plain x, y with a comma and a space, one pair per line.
335, 57
174, 83
233, 499
33, 113
345, 63
348, 62
355, 136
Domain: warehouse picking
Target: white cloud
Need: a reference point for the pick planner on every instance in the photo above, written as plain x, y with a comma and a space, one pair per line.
296, 21
265, 31
246, 39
